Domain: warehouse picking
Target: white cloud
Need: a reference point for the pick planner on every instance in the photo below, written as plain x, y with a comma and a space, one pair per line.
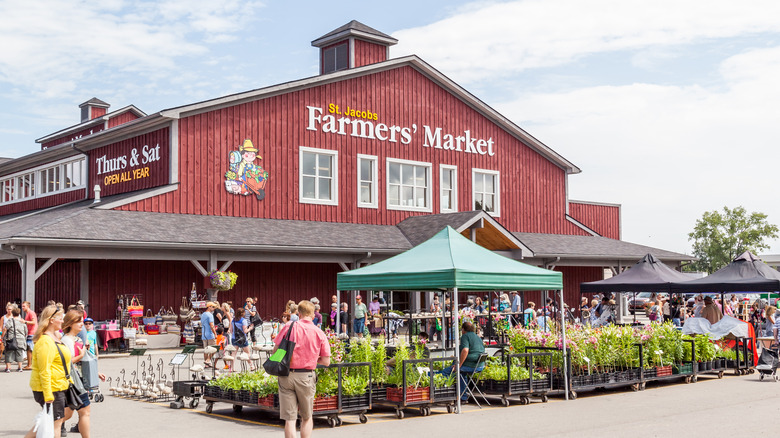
668, 153
50, 46
488, 40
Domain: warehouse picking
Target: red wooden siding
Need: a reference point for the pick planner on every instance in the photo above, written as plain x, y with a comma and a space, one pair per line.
369, 53
74, 135
158, 169
43, 202
165, 283
532, 188
96, 112
603, 219
127, 116
61, 283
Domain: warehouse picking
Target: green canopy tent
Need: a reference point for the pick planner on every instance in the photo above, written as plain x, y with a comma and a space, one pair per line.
449, 261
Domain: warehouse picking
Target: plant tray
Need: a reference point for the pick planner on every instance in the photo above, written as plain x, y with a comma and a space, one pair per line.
267, 400
412, 394
444, 394
245, 396
664, 371
355, 401
378, 392
651, 372
541, 384
212, 391
188, 388
686, 368
503, 387
326, 403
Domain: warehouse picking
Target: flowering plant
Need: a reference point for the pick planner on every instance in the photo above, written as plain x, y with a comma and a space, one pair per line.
223, 280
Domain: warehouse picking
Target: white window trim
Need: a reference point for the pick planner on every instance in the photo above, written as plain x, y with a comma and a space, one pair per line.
36, 171
335, 171
428, 202
374, 181
474, 172
454, 170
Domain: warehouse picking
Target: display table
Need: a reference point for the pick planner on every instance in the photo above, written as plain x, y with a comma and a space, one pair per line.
165, 340
107, 335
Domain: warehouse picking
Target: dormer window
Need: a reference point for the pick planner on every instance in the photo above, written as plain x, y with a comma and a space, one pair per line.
335, 58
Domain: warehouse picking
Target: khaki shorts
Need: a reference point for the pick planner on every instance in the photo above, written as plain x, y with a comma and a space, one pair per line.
296, 395
209, 342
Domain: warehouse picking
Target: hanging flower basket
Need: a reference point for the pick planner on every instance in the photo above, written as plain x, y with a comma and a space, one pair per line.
222, 280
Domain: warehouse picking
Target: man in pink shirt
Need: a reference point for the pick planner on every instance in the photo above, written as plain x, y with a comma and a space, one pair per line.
296, 391
31, 319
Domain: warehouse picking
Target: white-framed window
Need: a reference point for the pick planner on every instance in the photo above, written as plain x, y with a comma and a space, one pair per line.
408, 185
367, 181
62, 176
448, 188
318, 171
485, 191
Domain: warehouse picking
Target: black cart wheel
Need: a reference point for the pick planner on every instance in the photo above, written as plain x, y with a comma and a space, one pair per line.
363, 418
179, 398
695, 379
450, 409
505, 401
573, 395
338, 421
720, 374
90, 395
332, 422
237, 409
752, 371
209, 407
194, 403
642, 386
688, 379
635, 387
545, 399
761, 377
399, 413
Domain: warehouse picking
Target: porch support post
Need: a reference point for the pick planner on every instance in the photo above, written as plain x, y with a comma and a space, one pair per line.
212, 293
84, 281
28, 276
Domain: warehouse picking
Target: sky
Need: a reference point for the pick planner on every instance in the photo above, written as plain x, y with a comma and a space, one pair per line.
669, 108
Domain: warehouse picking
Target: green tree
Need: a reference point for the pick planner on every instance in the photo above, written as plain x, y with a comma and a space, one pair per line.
719, 237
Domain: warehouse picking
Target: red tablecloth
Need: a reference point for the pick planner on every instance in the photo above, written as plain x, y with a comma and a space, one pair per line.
106, 335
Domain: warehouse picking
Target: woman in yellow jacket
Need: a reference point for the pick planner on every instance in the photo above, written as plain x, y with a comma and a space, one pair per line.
48, 381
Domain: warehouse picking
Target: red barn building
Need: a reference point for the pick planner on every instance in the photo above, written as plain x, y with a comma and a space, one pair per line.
288, 185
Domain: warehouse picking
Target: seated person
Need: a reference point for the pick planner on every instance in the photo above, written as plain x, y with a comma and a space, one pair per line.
604, 312
471, 347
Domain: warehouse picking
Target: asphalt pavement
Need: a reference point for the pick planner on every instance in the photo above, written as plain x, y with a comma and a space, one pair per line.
735, 406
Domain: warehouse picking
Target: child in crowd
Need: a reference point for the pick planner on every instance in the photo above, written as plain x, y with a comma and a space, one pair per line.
89, 325
220, 341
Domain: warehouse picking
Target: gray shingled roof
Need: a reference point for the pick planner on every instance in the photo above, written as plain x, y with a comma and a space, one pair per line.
356, 25
418, 229
81, 223
78, 222
560, 245
95, 101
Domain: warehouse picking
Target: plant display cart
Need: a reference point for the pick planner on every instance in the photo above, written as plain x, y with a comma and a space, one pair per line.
421, 388
187, 392
516, 375
331, 408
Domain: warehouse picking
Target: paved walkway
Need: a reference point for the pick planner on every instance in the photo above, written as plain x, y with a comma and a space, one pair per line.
734, 406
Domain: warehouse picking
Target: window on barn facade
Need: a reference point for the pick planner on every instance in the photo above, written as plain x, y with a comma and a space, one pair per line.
408, 185
367, 180
485, 191
335, 58
318, 176
50, 179
448, 188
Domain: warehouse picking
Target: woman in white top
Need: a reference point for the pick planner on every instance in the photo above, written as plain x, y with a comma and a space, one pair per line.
698, 306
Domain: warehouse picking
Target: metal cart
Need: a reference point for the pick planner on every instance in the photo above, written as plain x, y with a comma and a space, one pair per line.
185, 390
355, 405
422, 398
522, 389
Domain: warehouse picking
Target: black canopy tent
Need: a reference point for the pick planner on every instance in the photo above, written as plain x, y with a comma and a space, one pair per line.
747, 273
648, 275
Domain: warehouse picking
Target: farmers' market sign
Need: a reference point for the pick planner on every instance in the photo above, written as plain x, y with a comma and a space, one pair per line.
364, 123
